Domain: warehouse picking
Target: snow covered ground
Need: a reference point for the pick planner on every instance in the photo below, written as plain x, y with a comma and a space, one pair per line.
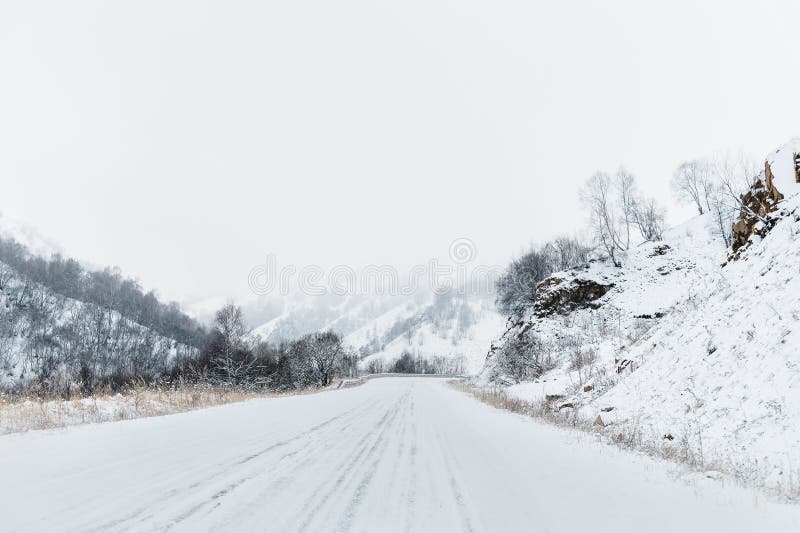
691, 355
396, 454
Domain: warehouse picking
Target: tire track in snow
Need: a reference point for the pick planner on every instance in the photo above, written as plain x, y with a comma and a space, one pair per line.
165, 500
456, 490
411, 491
349, 468
376, 453
305, 435
310, 454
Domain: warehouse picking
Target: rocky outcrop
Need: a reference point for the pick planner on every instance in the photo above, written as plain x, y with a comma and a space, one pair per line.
557, 295
762, 199
757, 203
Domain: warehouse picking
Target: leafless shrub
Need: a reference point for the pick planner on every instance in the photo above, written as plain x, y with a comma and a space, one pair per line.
580, 357
524, 357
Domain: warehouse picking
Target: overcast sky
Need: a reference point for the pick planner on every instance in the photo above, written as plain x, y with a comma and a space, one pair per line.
185, 141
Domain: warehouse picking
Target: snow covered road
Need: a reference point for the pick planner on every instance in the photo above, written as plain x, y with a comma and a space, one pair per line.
396, 454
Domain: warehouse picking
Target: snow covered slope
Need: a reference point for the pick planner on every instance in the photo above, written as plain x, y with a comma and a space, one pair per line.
453, 330
55, 343
783, 165
592, 313
723, 370
65, 328
678, 347
344, 314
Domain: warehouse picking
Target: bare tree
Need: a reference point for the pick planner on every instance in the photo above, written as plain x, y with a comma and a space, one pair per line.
516, 288
326, 353
625, 185
691, 183
231, 360
724, 209
523, 357
649, 218
596, 195
316, 357
735, 174
229, 323
236, 370
567, 252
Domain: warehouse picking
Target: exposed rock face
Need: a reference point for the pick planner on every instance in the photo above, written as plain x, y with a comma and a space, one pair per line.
764, 195
660, 249
760, 200
556, 295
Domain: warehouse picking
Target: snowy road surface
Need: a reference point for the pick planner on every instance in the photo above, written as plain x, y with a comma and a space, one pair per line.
396, 454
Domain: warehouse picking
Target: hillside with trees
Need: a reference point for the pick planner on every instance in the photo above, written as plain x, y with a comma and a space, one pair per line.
67, 331
679, 341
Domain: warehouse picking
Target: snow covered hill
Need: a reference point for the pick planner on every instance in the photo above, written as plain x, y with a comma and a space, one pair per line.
584, 318
306, 314
65, 329
57, 344
679, 347
452, 329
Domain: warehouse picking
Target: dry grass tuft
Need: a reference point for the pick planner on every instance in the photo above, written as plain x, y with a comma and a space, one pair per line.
32, 413
630, 435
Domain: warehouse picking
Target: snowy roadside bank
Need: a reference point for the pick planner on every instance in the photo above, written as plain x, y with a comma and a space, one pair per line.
33, 413
745, 472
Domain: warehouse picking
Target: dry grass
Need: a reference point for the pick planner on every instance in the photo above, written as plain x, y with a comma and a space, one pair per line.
26, 414
630, 435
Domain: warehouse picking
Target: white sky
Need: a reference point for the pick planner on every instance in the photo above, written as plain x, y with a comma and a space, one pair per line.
184, 141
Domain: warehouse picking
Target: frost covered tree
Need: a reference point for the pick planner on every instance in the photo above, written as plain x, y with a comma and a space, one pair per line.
523, 357
597, 196
327, 352
715, 186
317, 357
516, 288
615, 209
733, 176
649, 219
230, 325
692, 184
232, 359
625, 189
567, 252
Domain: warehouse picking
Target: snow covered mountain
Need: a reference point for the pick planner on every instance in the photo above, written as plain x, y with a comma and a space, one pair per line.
679, 348
453, 329
306, 314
